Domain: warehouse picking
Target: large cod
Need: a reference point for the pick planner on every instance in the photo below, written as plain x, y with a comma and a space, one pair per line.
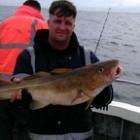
68, 88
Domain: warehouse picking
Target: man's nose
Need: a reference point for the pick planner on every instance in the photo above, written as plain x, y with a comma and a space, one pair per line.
62, 26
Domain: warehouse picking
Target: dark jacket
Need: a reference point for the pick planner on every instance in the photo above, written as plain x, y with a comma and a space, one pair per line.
57, 119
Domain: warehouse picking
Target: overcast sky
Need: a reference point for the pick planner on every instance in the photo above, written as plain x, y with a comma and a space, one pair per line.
83, 3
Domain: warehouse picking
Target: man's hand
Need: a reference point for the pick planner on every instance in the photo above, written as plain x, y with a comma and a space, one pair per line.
19, 109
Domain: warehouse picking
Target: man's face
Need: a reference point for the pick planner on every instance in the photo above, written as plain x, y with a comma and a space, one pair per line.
61, 28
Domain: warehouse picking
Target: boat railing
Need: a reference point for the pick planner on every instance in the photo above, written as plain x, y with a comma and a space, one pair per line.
128, 82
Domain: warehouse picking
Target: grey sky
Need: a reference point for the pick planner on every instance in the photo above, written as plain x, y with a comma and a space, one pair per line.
116, 5
82, 3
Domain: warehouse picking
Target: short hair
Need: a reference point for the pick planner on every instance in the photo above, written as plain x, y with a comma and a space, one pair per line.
33, 3
62, 8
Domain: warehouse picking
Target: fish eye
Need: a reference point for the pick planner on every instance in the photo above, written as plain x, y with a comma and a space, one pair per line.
101, 69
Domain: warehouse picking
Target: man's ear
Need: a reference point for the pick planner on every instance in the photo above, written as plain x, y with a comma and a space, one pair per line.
73, 27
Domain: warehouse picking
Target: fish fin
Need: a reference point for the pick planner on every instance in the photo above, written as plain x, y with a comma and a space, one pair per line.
41, 74
29, 77
79, 95
89, 103
37, 75
87, 93
60, 71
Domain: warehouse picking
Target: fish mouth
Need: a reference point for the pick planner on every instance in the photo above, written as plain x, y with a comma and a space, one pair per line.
118, 71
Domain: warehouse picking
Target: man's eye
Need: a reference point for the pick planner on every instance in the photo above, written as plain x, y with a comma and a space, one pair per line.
57, 21
68, 23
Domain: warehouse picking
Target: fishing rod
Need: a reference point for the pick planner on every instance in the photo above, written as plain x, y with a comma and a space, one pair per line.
97, 45
102, 31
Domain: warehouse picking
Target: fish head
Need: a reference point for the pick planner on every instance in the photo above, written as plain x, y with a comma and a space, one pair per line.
102, 74
108, 70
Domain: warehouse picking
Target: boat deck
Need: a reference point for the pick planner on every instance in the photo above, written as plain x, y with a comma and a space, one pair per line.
120, 122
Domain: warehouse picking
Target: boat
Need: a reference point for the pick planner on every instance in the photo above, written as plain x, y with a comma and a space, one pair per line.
120, 122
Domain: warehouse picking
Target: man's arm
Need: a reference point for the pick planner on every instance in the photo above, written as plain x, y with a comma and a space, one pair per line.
19, 105
23, 64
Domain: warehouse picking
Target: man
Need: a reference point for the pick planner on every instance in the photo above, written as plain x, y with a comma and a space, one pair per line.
58, 47
17, 32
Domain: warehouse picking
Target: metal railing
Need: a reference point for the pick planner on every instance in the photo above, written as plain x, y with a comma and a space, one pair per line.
137, 83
